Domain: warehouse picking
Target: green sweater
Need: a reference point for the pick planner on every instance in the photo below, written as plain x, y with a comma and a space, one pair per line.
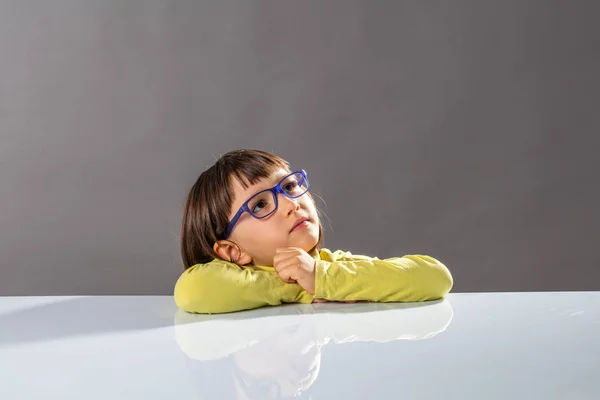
220, 286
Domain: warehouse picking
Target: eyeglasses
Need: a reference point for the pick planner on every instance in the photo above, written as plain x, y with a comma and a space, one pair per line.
264, 203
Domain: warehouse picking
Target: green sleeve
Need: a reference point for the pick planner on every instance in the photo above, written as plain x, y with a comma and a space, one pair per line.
343, 276
220, 287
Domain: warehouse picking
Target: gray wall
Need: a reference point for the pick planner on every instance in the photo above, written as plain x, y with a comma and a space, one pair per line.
466, 130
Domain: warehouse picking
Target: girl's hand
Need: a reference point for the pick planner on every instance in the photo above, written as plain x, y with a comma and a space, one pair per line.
294, 265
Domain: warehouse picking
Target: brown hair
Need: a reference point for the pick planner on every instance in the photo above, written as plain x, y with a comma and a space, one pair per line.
207, 207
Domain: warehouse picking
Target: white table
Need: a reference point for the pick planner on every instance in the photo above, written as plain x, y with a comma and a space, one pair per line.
469, 346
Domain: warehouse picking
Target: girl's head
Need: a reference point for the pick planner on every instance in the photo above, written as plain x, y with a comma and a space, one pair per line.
223, 191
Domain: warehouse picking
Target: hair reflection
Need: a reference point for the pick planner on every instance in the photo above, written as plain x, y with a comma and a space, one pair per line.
275, 352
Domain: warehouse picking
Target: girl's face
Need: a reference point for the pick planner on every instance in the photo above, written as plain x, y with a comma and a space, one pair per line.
260, 238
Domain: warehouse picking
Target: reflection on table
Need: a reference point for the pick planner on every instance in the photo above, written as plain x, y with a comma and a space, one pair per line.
275, 352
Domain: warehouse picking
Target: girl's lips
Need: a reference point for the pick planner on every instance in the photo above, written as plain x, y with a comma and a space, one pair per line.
300, 226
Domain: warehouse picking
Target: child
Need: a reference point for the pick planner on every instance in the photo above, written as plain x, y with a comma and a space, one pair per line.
251, 237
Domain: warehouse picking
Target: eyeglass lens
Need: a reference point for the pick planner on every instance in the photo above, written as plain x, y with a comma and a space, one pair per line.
264, 203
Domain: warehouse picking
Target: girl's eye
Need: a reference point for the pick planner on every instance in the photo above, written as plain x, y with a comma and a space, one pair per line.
259, 206
290, 186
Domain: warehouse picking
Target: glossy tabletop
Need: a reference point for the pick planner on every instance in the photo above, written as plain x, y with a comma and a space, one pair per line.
467, 346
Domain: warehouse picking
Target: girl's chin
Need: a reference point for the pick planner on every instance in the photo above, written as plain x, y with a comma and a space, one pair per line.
309, 245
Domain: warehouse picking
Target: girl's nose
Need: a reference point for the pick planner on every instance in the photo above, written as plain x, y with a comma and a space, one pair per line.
291, 205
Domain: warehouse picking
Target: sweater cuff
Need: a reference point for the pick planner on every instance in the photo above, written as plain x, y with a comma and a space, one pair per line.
305, 298
294, 293
321, 279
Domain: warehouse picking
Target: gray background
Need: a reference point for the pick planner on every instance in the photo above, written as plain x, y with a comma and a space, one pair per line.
467, 130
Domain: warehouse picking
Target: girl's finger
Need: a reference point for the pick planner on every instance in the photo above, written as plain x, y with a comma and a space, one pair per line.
283, 256
290, 262
286, 274
284, 249
284, 262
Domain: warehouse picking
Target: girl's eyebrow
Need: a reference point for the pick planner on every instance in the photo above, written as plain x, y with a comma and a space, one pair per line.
267, 183
279, 177
273, 180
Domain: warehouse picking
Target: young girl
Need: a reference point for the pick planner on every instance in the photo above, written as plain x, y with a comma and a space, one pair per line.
251, 237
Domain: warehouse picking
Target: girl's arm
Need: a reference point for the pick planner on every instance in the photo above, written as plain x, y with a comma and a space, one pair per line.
343, 276
220, 287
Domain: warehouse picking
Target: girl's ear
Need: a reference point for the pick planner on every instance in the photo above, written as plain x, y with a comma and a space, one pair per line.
229, 251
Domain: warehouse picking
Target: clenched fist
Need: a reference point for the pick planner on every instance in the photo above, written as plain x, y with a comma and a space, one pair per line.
294, 265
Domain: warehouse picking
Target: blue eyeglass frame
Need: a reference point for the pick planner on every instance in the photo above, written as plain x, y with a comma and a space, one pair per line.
275, 189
